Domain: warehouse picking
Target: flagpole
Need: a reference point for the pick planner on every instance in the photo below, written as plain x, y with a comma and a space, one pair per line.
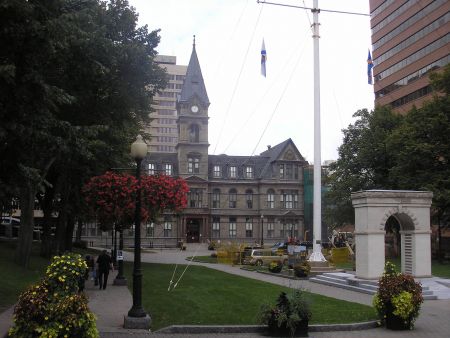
317, 255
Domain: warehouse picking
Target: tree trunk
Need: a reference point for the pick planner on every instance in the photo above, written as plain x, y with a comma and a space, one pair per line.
69, 232
79, 230
47, 243
23, 250
61, 231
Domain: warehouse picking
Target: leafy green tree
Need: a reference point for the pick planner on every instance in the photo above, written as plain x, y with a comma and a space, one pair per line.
364, 162
384, 150
77, 79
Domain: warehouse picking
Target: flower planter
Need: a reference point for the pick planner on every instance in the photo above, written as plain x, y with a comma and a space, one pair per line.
300, 273
300, 331
394, 322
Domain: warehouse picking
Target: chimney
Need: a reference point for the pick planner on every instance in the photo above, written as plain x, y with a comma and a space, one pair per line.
268, 147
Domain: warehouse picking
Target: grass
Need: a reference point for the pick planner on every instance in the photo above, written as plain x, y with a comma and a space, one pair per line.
204, 259
16, 279
206, 297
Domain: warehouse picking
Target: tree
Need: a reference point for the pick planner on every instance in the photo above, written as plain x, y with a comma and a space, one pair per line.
77, 79
383, 150
364, 162
111, 198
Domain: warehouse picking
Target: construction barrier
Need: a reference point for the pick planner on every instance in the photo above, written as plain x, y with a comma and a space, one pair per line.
340, 255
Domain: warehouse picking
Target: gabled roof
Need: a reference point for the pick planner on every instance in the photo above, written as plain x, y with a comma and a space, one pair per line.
193, 84
261, 163
275, 152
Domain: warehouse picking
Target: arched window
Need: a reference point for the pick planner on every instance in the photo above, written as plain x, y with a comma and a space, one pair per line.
194, 133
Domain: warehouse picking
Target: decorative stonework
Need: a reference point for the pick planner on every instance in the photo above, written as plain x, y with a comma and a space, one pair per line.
412, 211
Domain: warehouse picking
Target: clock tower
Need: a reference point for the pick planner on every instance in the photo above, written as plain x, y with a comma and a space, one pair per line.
192, 107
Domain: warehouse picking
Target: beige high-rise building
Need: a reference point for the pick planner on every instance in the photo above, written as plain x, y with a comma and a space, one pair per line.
163, 127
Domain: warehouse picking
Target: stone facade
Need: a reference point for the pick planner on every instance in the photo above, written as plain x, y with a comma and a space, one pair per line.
244, 199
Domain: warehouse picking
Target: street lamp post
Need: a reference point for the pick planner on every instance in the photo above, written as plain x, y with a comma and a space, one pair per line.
262, 230
120, 278
137, 318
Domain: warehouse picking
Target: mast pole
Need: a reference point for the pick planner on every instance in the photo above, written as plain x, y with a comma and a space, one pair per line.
317, 255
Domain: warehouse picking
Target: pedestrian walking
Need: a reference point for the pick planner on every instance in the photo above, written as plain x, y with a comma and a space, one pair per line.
104, 263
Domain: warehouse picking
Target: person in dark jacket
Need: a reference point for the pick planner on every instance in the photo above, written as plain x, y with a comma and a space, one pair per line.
104, 263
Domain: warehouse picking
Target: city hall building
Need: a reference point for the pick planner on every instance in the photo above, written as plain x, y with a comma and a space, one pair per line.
241, 199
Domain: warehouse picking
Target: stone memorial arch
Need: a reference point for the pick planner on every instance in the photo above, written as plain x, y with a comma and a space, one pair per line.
412, 211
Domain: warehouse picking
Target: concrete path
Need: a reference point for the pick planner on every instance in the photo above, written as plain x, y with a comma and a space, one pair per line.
112, 304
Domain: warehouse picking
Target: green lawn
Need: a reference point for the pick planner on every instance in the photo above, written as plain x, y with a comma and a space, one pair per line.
15, 279
206, 296
204, 259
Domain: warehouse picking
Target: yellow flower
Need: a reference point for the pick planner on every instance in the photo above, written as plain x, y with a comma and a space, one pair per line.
46, 318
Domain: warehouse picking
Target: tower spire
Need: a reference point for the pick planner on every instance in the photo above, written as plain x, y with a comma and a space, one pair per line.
193, 44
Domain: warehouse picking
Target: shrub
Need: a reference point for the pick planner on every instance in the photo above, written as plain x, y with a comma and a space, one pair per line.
54, 308
276, 266
65, 271
302, 270
398, 296
289, 315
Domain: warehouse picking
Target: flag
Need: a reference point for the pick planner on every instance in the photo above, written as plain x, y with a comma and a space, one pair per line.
263, 59
369, 68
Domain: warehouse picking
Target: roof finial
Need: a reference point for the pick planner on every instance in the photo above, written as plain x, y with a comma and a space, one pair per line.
193, 45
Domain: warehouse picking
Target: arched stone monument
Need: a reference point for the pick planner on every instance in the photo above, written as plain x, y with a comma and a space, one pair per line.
412, 211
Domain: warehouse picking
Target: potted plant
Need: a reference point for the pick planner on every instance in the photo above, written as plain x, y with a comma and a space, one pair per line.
290, 315
302, 270
275, 266
398, 299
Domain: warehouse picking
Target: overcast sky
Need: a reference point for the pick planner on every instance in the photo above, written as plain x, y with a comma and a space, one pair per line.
229, 35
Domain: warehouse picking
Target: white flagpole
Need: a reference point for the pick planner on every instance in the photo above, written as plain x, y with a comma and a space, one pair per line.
317, 255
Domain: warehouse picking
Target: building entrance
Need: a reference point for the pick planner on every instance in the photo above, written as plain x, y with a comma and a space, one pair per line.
193, 230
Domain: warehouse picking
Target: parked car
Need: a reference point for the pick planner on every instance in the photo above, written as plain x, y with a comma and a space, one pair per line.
264, 257
9, 226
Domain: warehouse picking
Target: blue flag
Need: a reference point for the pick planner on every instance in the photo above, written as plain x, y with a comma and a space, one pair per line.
263, 59
369, 68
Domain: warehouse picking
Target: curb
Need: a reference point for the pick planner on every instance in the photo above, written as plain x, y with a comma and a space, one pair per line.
197, 329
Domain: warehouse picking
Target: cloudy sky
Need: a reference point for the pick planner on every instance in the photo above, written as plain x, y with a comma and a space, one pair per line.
249, 111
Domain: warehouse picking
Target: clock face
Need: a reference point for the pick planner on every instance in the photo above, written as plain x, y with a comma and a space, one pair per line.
194, 109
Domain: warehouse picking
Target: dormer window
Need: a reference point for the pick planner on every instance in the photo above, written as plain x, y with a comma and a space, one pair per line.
168, 169
248, 172
233, 172
151, 169
217, 172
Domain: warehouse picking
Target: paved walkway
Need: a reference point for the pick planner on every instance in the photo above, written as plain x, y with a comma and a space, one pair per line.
112, 304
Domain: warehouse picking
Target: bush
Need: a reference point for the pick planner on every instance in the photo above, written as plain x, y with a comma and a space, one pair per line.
289, 315
302, 270
276, 266
212, 245
398, 299
54, 308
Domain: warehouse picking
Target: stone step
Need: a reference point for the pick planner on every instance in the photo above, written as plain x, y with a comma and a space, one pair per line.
364, 286
340, 285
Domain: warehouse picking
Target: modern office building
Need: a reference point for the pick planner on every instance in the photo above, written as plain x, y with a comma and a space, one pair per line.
242, 199
410, 38
163, 127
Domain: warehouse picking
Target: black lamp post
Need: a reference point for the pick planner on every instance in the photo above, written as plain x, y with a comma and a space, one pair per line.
138, 152
262, 230
120, 278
